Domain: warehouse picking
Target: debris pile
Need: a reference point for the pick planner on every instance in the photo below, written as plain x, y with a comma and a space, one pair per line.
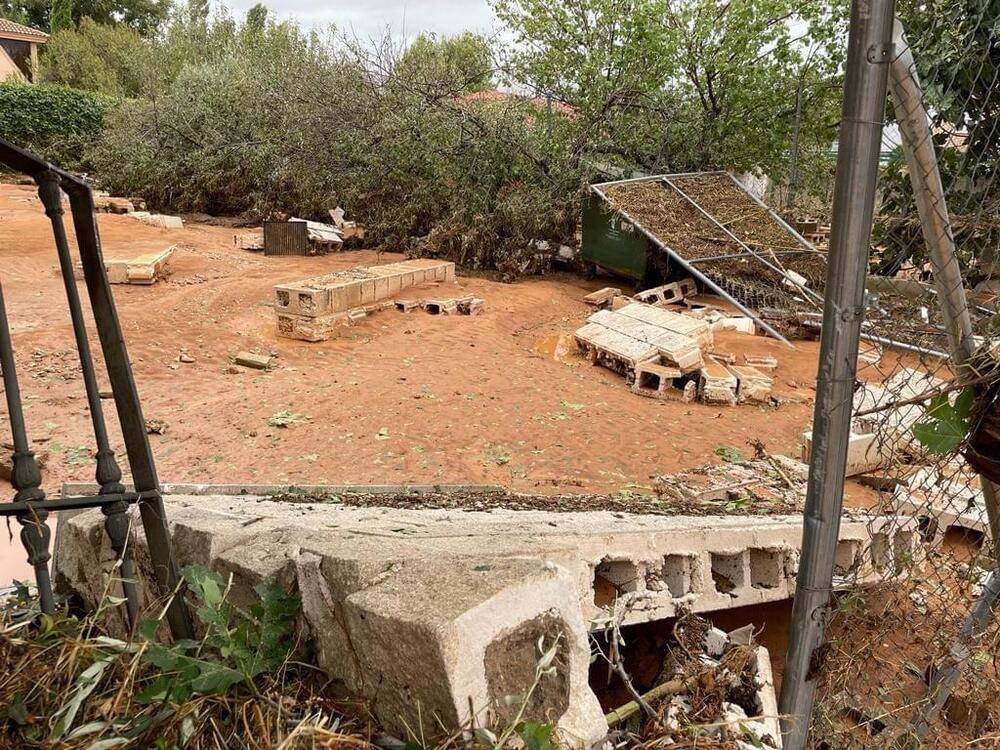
668, 352
108, 204
770, 484
715, 689
315, 309
882, 429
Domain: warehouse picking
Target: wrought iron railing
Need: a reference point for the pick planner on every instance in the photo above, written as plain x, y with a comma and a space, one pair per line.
30, 505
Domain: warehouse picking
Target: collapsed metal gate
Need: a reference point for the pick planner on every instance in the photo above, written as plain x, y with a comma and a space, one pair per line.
30, 505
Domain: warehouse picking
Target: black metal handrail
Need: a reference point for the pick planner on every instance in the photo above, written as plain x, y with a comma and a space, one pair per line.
29, 505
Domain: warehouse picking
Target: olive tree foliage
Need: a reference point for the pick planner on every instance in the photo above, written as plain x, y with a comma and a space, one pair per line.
453, 63
143, 16
686, 84
95, 57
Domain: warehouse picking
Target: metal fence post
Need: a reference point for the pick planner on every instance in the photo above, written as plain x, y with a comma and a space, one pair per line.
865, 87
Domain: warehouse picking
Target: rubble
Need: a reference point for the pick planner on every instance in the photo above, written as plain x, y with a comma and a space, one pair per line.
253, 361
157, 220
602, 297
142, 270
943, 497
877, 439
664, 353
251, 241
323, 237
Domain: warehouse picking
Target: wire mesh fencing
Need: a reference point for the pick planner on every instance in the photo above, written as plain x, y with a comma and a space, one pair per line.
911, 652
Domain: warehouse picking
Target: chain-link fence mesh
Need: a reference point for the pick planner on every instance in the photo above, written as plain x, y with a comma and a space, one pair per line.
925, 422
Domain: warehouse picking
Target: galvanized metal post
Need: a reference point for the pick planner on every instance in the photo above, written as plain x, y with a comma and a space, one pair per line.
869, 52
935, 222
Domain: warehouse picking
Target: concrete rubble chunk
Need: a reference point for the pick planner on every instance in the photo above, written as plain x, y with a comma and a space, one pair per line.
717, 385
760, 361
656, 380
754, 386
943, 497
253, 361
142, 270
602, 297
446, 616
157, 220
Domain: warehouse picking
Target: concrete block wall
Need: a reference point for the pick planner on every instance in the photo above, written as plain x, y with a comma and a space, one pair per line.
343, 290
446, 615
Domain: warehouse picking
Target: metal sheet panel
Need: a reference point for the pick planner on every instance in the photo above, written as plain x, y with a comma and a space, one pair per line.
286, 238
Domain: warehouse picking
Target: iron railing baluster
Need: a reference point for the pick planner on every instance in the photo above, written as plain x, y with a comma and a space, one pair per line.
108, 473
26, 478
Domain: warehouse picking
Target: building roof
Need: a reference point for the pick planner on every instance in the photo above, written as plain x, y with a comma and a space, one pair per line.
11, 30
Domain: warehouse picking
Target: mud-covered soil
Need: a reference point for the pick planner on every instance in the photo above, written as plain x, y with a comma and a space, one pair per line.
502, 398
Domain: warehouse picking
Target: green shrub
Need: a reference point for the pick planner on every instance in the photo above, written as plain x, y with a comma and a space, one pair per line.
55, 121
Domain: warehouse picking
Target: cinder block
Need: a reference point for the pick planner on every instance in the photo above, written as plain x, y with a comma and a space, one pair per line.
754, 386
866, 453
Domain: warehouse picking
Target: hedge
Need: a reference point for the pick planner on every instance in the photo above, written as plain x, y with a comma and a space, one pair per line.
55, 121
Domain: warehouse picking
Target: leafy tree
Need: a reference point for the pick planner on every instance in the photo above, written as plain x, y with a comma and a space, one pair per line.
679, 84
62, 16
143, 16
106, 59
458, 64
256, 19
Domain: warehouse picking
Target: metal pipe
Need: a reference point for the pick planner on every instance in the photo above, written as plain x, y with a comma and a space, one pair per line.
932, 207
26, 478
652, 177
865, 84
696, 273
780, 271
928, 191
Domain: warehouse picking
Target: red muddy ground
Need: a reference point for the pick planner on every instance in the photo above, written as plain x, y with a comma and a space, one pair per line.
502, 398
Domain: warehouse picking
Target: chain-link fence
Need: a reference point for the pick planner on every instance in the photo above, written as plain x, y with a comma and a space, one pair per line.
913, 658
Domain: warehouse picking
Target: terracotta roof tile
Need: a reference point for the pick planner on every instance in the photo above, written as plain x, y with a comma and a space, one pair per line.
17, 30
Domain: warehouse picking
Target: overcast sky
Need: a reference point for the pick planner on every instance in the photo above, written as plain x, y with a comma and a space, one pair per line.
371, 18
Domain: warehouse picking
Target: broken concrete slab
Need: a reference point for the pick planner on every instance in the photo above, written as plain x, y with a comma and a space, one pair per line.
602, 297
142, 270
942, 498
157, 220
866, 453
637, 323
253, 361
754, 386
716, 384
